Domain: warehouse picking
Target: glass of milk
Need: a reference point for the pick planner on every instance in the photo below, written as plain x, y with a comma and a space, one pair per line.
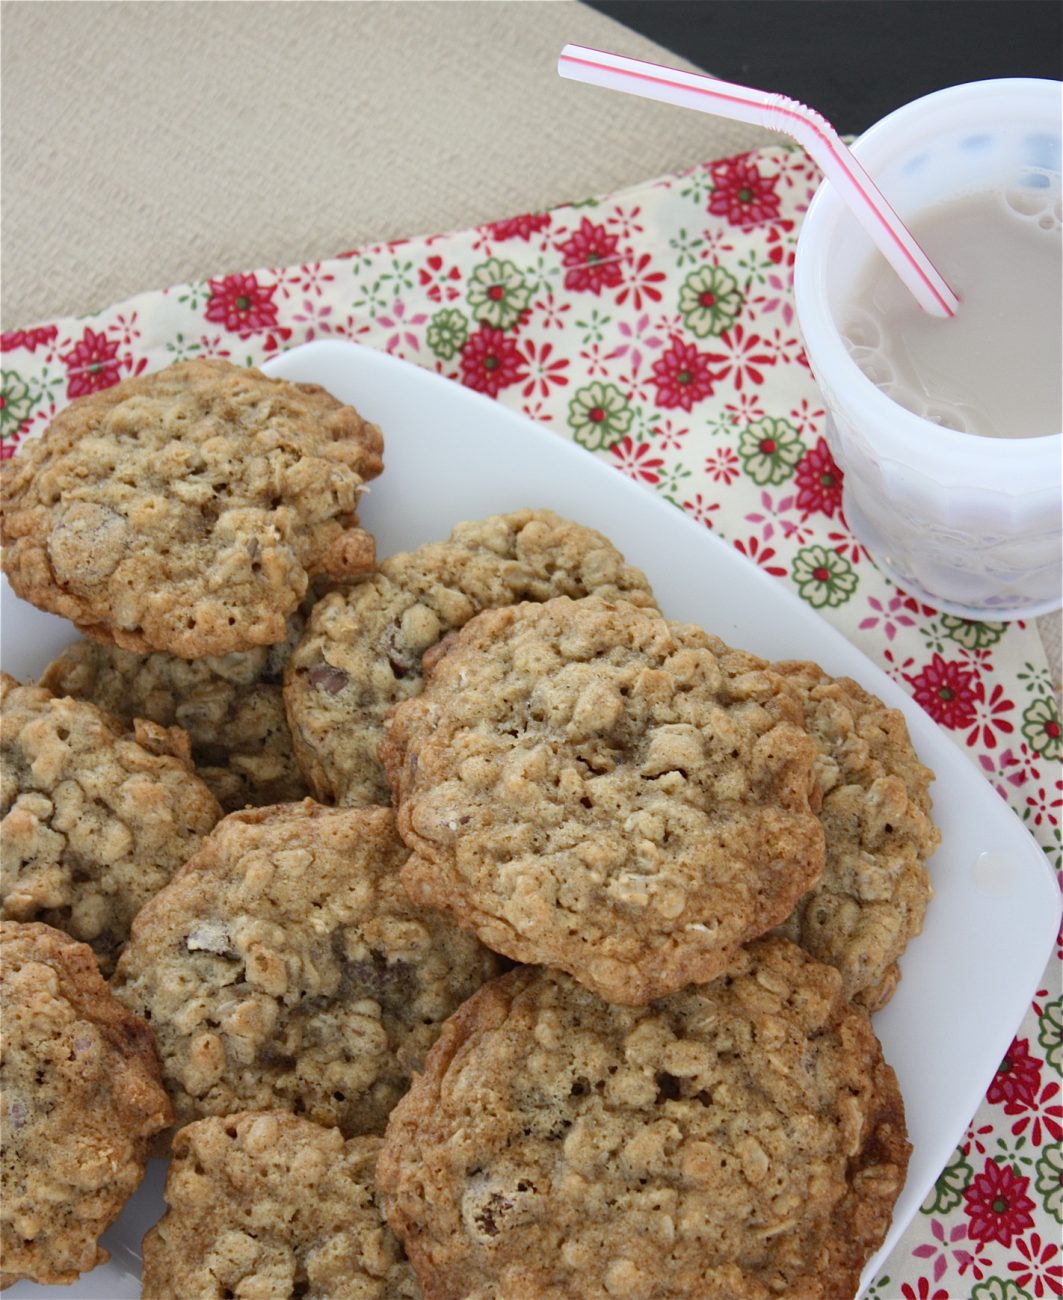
949, 431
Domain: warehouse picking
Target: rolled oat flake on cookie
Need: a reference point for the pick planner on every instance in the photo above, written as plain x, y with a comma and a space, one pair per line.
740, 1140
587, 785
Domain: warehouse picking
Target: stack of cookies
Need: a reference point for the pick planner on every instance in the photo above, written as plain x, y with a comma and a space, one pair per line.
534, 957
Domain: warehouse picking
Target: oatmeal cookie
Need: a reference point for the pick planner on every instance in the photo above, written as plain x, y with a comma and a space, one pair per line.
879, 835
362, 650
94, 822
591, 786
267, 1204
80, 1101
187, 510
285, 968
740, 1140
230, 706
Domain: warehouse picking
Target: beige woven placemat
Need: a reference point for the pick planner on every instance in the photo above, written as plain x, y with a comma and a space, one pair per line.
147, 144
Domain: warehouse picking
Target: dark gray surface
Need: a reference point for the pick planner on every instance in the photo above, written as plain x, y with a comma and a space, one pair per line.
854, 60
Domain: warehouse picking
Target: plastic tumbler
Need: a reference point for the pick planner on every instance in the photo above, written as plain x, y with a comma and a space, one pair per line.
969, 524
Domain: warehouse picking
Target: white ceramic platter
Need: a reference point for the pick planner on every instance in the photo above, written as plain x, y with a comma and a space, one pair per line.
452, 455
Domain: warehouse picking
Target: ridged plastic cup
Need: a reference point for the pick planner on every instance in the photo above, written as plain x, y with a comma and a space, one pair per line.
971, 525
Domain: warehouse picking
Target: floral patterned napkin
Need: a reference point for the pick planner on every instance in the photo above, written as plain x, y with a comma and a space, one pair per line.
656, 328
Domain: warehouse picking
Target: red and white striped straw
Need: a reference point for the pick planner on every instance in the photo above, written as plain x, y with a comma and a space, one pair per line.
778, 113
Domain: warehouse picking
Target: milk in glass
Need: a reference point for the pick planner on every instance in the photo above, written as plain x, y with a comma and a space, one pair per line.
996, 368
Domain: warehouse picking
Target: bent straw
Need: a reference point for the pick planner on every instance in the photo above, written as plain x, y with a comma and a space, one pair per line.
777, 113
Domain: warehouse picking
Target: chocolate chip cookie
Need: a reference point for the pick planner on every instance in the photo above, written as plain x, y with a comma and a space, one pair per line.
187, 510
588, 785
739, 1140
879, 835
362, 650
80, 1101
267, 1204
94, 823
230, 706
285, 968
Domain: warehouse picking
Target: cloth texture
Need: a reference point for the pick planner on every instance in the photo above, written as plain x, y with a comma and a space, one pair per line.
153, 143
655, 327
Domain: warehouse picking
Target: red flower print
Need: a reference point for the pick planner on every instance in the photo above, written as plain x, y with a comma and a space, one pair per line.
550, 311
592, 258
988, 715
846, 544
910, 602
668, 437
543, 368
1039, 805
91, 364
491, 361
31, 340
742, 362
441, 284
723, 466
762, 555
640, 282
747, 410
701, 509
783, 350
946, 690
1017, 1079
921, 1291
1041, 1118
897, 668
819, 481
241, 304
626, 221
682, 376
212, 347
781, 250
804, 418
308, 278
997, 1205
1036, 1266
741, 194
522, 227
636, 461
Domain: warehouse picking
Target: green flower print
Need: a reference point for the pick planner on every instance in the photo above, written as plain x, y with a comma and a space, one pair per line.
823, 577
770, 449
1049, 1181
878, 1289
16, 402
599, 416
497, 293
709, 301
971, 634
947, 1192
999, 1288
1041, 727
447, 332
1050, 1033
